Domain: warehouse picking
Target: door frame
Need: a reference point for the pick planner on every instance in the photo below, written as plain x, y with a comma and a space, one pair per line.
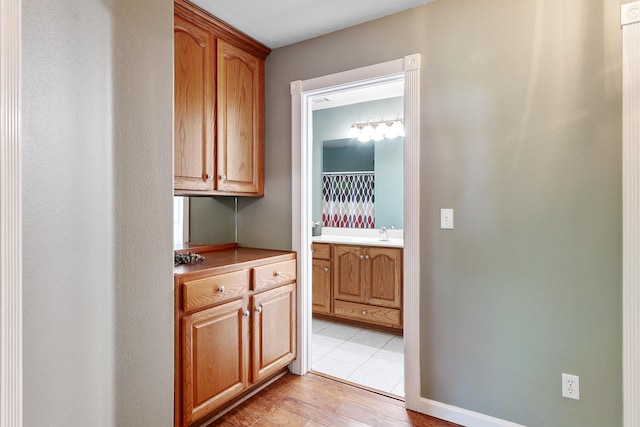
630, 23
302, 93
10, 216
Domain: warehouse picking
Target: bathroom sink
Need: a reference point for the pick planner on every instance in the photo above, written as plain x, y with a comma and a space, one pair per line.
357, 240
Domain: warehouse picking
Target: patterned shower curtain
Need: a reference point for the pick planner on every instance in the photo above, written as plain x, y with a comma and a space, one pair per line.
348, 200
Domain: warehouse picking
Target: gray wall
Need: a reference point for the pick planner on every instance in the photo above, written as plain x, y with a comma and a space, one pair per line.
97, 196
212, 219
520, 128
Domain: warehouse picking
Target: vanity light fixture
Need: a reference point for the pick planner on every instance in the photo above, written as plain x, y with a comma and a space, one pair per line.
377, 131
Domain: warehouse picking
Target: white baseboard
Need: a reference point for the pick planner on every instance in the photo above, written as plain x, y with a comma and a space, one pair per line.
459, 416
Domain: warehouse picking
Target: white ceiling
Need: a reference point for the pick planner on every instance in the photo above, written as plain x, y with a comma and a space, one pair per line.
360, 94
277, 23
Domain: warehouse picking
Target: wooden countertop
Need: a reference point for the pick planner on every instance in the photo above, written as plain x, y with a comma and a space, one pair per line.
232, 258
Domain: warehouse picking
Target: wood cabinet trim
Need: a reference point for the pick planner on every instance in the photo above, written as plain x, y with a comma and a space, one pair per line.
193, 13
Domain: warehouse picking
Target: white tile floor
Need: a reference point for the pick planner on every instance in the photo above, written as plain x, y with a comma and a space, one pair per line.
362, 356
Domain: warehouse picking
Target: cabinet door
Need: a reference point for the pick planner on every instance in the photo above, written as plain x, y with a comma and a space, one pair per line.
321, 284
274, 331
214, 358
348, 274
384, 277
194, 79
240, 109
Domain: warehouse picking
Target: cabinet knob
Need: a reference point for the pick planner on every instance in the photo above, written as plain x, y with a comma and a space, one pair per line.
259, 309
361, 256
277, 274
223, 177
364, 313
326, 269
221, 289
209, 177
366, 257
246, 313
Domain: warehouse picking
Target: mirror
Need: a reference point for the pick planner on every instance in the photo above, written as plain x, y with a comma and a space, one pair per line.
357, 184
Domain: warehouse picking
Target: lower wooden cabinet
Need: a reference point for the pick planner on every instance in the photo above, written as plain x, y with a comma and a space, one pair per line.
321, 289
321, 295
214, 358
274, 344
363, 284
235, 329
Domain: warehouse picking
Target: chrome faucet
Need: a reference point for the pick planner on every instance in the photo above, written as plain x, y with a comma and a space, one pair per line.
383, 230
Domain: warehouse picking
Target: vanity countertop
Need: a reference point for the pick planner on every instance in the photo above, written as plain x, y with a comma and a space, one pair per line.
357, 240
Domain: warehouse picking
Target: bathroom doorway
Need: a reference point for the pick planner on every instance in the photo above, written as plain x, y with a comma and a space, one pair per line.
304, 95
357, 200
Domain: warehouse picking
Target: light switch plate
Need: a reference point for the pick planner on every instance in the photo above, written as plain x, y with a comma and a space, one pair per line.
446, 219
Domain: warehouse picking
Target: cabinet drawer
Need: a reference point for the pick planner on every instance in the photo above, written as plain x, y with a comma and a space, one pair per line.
274, 274
321, 250
368, 313
210, 290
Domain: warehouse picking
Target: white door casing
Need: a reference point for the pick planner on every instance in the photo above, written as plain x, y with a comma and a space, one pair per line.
10, 216
630, 20
302, 92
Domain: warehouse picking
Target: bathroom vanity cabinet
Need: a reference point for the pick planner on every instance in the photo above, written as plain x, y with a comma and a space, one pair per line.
321, 278
219, 106
365, 284
235, 318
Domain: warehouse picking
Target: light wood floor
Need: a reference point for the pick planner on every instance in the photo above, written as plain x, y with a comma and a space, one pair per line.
313, 400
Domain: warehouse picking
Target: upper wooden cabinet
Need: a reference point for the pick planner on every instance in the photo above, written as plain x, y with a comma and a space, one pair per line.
194, 104
219, 107
240, 108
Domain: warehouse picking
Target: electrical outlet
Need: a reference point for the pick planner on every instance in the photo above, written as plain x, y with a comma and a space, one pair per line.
571, 386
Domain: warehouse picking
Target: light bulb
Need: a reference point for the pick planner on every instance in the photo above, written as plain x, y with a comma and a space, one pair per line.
353, 132
366, 133
397, 129
378, 133
382, 129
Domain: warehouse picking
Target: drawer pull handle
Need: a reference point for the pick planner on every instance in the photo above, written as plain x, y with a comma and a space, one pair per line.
364, 313
246, 313
326, 269
221, 290
277, 274
259, 309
